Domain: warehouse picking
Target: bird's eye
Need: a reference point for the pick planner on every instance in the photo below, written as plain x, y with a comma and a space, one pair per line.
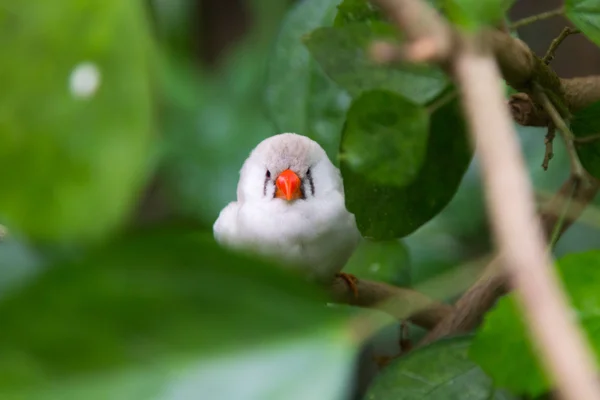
308, 172
268, 174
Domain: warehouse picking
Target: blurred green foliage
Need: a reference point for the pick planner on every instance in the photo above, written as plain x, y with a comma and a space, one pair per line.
585, 14
383, 261
585, 123
343, 54
503, 340
64, 153
298, 95
155, 301
474, 14
94, 307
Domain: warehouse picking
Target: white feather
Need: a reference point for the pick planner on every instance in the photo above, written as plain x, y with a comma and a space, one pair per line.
316, 234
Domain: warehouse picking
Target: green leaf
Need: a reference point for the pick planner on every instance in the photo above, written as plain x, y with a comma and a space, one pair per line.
343, 54
441, 371
585, 123
503, 347
386, 212
162, 309
73, 159
585, 15
474, 14
350, 11
299, 97
385, 138
381, 261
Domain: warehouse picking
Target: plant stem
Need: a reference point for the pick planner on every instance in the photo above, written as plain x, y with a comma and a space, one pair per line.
556, 42
563, 214
587, 139
558, 121
537, 17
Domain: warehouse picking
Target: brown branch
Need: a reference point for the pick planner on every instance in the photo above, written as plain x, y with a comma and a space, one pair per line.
578, 93
509, 194
525, 112
401, 303
581, 92
475, 302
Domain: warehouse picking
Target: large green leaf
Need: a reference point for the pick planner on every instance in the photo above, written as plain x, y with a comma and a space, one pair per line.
585, 123
75, 115
385, 138
386, 212
441, 371
343, 54
299, 97
473, 14
585, 14
503, 348
161, 310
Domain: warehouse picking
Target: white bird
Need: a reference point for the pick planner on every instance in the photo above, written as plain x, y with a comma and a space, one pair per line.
290, 206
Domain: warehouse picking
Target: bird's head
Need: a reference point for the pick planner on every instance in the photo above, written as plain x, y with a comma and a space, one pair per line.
287, 167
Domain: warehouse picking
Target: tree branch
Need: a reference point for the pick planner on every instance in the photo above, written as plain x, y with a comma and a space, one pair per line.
481, 297
509, 194
401, 303
537, 17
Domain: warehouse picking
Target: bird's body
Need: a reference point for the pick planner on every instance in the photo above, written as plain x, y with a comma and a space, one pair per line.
290, 207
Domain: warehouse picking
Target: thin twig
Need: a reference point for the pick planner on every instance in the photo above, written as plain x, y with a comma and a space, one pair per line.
541, 97
556, 42
563, 217
537, 17
549, 153
587, 139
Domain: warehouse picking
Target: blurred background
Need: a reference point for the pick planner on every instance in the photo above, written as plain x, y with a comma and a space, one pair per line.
212, 87
212, 84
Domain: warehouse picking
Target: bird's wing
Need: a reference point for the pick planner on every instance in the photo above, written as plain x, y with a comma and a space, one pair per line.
335, 245
329, 236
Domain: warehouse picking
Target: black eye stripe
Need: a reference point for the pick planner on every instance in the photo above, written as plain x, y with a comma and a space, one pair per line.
310, 181
267, 177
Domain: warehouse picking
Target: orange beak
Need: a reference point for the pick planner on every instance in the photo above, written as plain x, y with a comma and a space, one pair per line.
288, 186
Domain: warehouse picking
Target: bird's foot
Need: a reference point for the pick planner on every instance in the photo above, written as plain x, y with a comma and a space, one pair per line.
351, 280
